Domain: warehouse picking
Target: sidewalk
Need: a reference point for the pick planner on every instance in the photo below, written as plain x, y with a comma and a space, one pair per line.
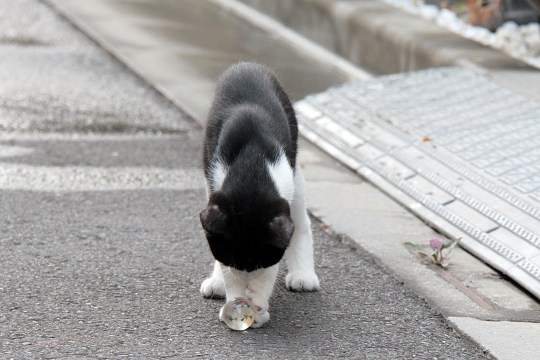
469, 291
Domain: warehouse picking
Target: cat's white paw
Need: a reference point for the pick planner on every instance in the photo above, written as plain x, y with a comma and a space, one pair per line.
261, 319
213, 288
302, 281
259, 302
260, 305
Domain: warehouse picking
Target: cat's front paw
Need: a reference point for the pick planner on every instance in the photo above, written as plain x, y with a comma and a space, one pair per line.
213, 288
302, 281
260, 306
261, 319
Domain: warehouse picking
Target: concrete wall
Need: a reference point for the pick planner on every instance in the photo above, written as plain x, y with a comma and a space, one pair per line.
378, 37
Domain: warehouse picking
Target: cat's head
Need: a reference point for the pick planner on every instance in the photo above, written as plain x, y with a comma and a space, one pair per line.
247, 235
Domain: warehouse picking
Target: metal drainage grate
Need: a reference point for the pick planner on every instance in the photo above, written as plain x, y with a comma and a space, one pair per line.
458, 150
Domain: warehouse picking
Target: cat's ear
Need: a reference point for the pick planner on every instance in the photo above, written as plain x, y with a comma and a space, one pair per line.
213, 219
283, 228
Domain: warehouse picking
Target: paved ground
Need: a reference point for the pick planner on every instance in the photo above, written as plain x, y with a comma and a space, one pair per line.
110, 274
52, 80
93, 273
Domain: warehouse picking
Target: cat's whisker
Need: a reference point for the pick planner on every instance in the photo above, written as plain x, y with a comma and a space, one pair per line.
280, 289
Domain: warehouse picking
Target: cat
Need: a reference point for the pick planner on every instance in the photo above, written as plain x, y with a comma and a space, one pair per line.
256, 212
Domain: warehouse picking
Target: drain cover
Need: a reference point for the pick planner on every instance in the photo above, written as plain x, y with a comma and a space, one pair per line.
458, 150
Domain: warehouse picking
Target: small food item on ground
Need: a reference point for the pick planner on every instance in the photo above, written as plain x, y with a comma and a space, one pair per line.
238, 314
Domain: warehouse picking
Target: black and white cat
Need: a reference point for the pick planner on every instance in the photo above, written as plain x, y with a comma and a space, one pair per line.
256, 212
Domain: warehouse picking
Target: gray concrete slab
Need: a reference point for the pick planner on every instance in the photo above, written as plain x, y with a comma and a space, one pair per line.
517, 337
431, 111
468, 287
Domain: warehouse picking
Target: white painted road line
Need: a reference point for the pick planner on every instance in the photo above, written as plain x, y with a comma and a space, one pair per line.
80, 178
10, 151
75, 136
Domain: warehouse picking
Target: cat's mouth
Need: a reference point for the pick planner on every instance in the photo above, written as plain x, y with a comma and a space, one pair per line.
237, 270
245, 266
248, 265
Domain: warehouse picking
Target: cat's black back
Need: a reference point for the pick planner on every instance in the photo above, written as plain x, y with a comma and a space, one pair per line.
251, 127
250, 91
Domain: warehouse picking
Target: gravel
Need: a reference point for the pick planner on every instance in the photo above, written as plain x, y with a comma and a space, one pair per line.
521, 42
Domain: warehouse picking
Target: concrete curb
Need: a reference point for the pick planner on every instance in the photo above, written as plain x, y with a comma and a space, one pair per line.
396, 41
308, 48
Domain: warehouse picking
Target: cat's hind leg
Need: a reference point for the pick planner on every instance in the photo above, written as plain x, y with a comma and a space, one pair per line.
299, 255
214, 286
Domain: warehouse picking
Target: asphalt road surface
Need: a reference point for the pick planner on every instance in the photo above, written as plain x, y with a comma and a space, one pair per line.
101, 251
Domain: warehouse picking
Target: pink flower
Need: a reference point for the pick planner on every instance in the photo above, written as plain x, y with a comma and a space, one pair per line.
436, 244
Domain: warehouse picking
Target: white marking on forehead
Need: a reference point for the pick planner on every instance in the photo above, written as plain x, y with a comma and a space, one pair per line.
283, 177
